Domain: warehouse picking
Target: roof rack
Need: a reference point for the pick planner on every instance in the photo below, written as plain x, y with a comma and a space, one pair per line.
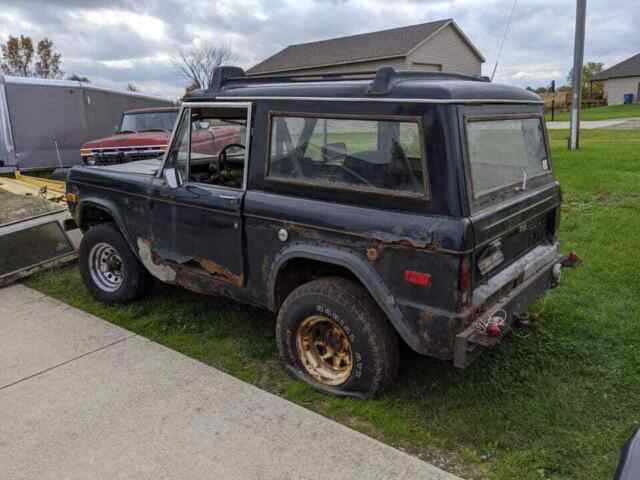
381, 79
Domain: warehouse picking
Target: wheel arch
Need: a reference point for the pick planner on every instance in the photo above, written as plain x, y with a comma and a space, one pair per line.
94, 211
357, 268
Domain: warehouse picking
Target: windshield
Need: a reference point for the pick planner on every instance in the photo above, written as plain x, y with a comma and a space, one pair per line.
505, 152
144, 121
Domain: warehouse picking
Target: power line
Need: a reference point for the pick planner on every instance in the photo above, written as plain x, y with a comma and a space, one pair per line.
504, 37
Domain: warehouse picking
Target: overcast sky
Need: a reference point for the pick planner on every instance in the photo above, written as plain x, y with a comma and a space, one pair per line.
123, 41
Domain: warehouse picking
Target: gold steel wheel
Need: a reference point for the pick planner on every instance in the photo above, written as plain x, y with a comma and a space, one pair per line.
325, 350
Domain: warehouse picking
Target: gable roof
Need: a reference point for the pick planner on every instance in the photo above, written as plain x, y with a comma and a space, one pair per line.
628, 68
395, 42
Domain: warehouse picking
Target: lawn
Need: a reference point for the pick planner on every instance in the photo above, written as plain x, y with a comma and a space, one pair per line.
557, 402
600, 113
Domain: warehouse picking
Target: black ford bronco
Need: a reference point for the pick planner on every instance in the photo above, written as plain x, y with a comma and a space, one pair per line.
366, 210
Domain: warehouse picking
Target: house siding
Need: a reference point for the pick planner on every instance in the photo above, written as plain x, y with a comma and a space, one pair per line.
448, 49
369, 66
616, 88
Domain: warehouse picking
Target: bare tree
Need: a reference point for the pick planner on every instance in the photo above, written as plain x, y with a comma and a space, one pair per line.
132, 87
18, 55
48, 64
196, 64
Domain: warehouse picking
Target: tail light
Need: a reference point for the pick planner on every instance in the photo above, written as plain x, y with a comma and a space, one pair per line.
464, 282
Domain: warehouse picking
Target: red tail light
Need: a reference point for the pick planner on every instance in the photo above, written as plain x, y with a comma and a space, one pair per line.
417, 278
464, 282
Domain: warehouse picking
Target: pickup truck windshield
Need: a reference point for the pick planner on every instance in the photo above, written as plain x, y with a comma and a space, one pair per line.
139, 122
505, 152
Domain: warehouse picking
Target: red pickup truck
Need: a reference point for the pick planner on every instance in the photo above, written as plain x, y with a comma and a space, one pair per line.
143, 133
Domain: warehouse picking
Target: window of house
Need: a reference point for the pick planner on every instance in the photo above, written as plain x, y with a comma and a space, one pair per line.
355, 153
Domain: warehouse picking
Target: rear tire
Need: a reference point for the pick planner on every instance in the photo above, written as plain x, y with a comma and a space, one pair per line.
109, 269
332, 335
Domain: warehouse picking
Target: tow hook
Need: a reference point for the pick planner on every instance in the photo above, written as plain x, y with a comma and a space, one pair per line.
571, 260
494, 326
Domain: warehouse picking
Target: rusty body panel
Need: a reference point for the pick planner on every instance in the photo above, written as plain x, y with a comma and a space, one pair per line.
258, 243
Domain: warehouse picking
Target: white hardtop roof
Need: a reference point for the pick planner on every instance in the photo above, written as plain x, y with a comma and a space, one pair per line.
47, 82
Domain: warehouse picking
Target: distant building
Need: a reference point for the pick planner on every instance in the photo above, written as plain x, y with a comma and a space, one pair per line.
433, 47
622, 81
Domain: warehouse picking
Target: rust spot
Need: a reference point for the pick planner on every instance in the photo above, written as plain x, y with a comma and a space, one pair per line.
426, 318
220, 272
403, 241
151, 262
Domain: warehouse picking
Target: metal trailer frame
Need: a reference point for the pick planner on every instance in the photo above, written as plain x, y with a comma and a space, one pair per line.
43, 123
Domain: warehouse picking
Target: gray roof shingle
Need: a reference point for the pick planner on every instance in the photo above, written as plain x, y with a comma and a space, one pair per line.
628, 68
395, 42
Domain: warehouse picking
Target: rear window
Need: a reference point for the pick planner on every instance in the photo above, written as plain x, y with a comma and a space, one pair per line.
348, 153
505, 152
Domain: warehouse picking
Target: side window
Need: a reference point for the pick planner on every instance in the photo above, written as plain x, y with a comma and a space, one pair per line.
179, 154
218, 150
352, 153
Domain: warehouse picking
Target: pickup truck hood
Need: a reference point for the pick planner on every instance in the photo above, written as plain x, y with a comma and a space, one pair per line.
146, 167
142, 139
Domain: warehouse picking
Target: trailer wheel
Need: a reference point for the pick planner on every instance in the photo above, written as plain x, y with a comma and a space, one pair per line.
332, 335
109, 269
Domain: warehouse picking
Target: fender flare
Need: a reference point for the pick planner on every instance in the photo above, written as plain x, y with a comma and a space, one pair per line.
108, 207
359, 267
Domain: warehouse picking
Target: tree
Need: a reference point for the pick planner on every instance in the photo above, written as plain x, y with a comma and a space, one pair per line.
18, 55
196, 64
541, 90
48, 64
78, 78
132, 88
589, 71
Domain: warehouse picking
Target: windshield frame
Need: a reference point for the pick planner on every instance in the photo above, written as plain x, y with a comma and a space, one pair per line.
508, 191
152, 112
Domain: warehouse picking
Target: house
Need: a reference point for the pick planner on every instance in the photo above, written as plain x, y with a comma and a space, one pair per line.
622, 80
432, 47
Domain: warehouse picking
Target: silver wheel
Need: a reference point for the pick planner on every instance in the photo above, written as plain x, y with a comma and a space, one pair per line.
105, 266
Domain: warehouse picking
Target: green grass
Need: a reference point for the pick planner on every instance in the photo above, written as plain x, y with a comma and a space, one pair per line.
600, 113
554, 403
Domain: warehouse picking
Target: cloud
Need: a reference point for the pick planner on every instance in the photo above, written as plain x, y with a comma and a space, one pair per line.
121, 41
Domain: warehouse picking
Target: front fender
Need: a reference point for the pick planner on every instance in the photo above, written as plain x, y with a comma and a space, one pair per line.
109, 207
359, 267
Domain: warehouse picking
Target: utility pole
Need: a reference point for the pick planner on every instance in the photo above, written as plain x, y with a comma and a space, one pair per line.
578, 59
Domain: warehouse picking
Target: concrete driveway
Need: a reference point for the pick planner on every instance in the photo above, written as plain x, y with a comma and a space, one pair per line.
83, 399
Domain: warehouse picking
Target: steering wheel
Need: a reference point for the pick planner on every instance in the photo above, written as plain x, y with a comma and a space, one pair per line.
222, 156
357, 176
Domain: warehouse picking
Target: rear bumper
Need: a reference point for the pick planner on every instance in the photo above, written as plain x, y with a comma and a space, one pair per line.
536, 277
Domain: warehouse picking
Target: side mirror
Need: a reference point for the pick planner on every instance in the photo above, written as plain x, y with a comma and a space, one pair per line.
116, 128
171, 177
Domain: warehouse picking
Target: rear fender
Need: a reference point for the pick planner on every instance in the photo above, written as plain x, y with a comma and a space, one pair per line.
359, 267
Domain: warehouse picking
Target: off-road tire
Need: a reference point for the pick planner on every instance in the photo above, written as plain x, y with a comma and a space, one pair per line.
374, 342
136, 280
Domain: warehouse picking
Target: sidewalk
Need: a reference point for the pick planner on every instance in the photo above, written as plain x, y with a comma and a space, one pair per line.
81, 398
623, 123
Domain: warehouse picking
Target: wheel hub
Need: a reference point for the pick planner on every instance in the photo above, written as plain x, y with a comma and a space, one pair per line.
325, 350
105, 266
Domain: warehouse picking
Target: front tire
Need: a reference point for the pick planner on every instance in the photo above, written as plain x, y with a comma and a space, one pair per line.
332, 335
109, 269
